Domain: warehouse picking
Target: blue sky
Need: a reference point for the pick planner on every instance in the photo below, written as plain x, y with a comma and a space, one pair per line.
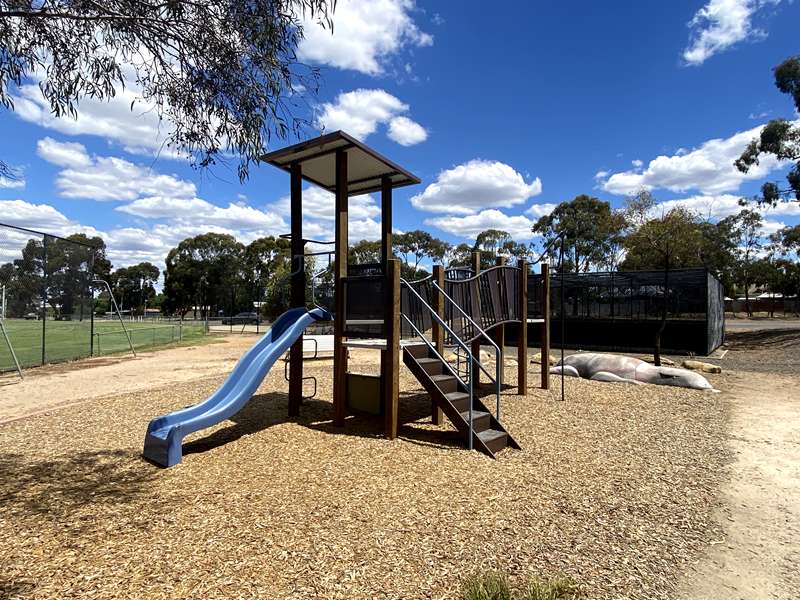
502, 114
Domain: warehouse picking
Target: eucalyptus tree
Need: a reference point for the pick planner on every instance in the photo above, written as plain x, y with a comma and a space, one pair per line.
779, 138
667, 241
591, 231
224, 75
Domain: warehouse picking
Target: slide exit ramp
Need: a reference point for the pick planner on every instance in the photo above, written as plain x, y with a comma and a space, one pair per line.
164, 439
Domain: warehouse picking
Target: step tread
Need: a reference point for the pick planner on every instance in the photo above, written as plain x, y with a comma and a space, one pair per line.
443, 377
491, 435
428, 360
476, 414
456, 396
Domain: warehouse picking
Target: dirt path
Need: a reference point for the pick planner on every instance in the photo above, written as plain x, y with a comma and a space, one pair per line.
759, 554
53, 386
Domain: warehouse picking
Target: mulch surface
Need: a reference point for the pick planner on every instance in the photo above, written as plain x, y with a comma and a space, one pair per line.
613, 488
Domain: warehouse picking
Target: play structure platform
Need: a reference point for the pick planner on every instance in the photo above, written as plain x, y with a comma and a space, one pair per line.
428, 322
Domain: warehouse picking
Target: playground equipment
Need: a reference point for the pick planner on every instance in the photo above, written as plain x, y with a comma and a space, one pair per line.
375, 309
165, 434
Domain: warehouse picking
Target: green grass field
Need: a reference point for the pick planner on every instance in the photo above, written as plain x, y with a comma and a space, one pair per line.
69, 340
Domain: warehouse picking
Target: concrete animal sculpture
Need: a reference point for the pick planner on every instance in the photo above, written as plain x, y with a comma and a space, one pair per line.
626, 369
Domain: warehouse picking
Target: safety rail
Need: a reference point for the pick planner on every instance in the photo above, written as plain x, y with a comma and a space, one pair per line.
498, 352
470, 382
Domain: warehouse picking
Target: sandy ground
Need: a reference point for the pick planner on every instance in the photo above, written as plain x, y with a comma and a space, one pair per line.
62, 384
758, 555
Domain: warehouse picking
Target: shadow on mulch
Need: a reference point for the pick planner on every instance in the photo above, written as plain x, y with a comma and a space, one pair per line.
762, 339
15, 589
266, 410
64, 483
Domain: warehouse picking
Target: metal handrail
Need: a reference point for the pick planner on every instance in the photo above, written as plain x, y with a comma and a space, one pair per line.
498, 354
470, 383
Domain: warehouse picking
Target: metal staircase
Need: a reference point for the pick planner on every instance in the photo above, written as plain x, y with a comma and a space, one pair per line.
453, 389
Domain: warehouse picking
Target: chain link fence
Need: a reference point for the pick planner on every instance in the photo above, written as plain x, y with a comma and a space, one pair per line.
47, 304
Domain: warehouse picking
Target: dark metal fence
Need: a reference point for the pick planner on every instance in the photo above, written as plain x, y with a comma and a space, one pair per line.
622, 310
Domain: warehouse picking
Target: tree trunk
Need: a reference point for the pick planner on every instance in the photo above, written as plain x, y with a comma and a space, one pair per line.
747, 299
663, 324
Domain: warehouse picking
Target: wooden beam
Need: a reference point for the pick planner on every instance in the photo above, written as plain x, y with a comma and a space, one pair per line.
437, 332
546, 326
386, 220
298, 286
340, 272
391, 359
522, 336
476, 344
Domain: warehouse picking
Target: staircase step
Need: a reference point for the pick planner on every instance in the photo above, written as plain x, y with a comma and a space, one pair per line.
481, 421
446, 383
458, 399
494, 440
432, 366
417, 350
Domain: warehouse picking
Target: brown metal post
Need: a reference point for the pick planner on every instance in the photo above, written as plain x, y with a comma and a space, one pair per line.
298, 286
476, 343
499, 334
391, 371
340, 272
522, 336
546, 326
437, 332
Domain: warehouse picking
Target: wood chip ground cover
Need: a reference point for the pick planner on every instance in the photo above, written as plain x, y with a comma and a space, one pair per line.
613, 488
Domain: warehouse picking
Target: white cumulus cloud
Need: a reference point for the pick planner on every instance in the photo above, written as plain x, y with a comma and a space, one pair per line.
720, 24
366, 33
359, 112
107, 177
123, 119
469, 226
406, 132
200, 213
708, 169
476, 185
8, 183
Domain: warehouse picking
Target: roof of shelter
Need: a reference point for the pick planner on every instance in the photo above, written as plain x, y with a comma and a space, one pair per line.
365, 167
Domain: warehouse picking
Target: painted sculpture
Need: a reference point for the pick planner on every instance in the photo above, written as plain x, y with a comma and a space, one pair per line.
626, 369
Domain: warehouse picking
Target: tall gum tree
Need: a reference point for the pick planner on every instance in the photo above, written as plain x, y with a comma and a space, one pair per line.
224, 75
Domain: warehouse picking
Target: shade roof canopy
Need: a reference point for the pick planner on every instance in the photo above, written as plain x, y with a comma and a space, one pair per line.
365, 167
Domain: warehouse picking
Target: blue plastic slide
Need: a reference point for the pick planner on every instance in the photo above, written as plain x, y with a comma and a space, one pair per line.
162, 443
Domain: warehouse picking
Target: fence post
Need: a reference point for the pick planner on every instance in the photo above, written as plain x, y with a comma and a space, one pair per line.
545, 349
44, 299
522, 336
91, 318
